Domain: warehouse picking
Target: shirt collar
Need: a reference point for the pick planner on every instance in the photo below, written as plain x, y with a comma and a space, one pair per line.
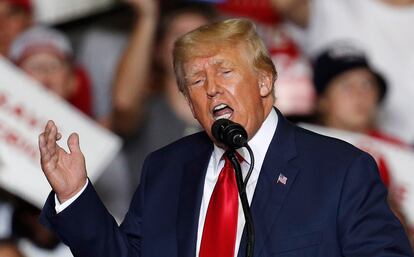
259, 143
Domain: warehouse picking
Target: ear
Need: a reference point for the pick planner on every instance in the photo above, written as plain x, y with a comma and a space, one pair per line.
265, 83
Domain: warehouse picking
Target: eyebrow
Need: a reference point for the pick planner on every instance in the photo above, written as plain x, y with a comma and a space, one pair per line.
216, 63
192, 74
222, 62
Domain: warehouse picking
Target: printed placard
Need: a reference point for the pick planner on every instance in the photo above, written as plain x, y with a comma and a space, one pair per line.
53, 11
25, 107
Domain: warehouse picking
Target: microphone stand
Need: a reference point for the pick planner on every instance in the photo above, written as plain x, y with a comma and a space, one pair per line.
243, 196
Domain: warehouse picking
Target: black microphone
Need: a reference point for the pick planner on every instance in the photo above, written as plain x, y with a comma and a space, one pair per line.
231, 134
234, 136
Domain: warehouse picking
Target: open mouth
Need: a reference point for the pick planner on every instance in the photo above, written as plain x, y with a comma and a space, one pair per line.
222, 111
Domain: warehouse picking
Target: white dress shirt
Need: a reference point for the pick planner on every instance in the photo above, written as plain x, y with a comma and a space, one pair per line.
259, 145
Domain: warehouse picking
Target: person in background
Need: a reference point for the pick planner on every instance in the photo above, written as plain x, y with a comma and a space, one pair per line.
46, 55
145, 95
22, 234
25, 225
383, 29
15, 17
350, 92
8, 248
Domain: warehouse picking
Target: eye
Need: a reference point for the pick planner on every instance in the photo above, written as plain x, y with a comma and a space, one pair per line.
226, 72
196, 82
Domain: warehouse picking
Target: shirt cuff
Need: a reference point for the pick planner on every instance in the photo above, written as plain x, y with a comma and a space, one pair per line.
59, 207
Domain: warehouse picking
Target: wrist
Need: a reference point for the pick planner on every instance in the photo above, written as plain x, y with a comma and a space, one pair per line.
65, 196
60, 206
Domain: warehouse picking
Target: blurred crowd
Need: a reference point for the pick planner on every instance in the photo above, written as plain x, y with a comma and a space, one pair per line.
343, 64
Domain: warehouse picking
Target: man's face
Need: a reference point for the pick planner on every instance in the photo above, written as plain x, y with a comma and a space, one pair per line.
350, 101
13, 20
225, 84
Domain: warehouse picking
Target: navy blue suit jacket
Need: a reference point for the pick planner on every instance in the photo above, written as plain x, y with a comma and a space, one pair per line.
332, 205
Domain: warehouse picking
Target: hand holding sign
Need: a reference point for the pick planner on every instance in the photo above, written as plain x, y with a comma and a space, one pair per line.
66, 172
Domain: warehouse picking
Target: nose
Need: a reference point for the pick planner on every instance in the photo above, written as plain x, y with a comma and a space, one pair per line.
213, 87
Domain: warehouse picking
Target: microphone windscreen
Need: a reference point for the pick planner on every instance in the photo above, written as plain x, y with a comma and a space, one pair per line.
217, 129
229, 133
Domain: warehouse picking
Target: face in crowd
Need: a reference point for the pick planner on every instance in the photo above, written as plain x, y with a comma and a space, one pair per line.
52, 71
13, 21
350, 100
45, 55
221, 78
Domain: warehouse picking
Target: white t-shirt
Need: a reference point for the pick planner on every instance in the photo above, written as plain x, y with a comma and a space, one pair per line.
386, 34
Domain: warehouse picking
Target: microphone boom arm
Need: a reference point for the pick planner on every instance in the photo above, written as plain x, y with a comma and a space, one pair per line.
244, 201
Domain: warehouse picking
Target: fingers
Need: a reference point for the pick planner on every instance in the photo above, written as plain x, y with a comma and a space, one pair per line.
73, 143
47, 145
42, 145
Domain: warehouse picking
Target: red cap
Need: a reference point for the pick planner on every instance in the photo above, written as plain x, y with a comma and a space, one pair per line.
259, 10
25, 4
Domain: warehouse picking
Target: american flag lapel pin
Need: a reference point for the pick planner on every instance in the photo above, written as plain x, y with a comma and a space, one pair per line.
282, 179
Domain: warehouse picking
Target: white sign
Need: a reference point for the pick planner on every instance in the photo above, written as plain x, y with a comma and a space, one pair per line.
25, 107
56, 11
399, 160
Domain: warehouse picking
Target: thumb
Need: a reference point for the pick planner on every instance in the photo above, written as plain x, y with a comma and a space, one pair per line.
73, 143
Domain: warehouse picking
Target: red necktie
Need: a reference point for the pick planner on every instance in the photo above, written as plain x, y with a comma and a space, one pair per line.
220, 226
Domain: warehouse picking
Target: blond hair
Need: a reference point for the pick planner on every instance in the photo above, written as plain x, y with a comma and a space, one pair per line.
210, 37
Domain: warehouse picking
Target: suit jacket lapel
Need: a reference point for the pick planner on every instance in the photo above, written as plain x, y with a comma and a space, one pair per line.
192, 185
270, 194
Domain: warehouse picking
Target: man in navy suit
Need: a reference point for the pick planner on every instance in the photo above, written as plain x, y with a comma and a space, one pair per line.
310, 195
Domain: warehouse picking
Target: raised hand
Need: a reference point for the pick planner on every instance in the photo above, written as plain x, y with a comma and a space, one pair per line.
66, 172
145, 7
